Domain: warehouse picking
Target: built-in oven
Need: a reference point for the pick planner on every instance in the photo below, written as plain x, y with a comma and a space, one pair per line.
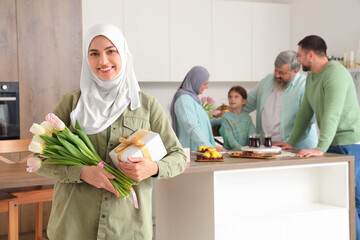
9, 110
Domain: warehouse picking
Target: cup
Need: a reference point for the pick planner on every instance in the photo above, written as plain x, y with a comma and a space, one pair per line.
187, 153
257, 141
252, 140
267, 141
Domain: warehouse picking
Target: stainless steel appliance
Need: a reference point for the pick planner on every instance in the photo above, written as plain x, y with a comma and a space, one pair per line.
9, 110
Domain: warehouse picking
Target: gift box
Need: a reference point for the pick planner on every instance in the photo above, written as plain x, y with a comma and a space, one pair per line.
142, 143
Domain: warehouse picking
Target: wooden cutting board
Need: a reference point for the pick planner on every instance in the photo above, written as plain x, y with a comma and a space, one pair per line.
258, 156
209, 160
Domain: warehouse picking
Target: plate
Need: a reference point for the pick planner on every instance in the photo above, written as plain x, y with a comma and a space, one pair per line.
262, 149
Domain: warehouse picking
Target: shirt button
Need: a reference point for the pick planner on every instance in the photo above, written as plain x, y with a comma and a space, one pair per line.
103, 216
114, 128
111, 144
106, 198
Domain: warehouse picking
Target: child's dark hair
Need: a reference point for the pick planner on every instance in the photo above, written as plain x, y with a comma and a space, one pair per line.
239, 90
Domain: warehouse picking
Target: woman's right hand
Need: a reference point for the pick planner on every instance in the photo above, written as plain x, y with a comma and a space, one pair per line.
98, 177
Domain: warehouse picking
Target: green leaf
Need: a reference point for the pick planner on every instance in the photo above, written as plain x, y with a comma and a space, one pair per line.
81, 133
74, 151
50, 140
79, 143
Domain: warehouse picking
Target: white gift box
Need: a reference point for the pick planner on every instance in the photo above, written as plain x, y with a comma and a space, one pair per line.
152, 142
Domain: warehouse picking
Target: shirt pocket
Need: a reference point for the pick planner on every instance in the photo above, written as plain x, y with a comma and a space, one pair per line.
131, 124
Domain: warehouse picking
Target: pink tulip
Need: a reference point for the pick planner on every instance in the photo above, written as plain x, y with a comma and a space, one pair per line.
54, 120
203, 99
33, 164
210, 100
216, 112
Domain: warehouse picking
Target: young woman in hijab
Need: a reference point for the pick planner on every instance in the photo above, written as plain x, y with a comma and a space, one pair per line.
189, 120
109, 105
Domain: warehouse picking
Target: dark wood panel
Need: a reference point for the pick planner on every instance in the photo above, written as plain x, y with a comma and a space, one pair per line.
8, 42
50, 50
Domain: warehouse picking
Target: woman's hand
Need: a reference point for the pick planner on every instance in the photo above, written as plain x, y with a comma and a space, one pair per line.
99, 178
220, 149
283, 145
140, 168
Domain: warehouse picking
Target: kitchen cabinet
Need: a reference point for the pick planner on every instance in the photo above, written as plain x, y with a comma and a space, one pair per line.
146, 31
271, 35
190, 37
232, 41
95, 11
8, 42
235, 40
287, 198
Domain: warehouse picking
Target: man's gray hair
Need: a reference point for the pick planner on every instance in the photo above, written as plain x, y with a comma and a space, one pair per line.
287, 57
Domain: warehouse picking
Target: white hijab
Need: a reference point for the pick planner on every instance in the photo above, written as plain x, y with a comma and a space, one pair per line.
102, 102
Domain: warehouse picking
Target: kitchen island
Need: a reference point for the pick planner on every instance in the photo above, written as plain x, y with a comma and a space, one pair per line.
286, 198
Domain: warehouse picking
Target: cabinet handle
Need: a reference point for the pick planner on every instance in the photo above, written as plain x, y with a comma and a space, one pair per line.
7, 99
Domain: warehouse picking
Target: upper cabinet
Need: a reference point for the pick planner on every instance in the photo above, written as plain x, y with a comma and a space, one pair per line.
190, 36
147, 34
235, 40
105, 11
271, 35
232, 41
8, 42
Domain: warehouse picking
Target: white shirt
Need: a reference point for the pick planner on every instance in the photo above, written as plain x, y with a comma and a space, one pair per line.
270, 115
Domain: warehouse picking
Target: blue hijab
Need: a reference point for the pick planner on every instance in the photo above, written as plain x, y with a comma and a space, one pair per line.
196, 77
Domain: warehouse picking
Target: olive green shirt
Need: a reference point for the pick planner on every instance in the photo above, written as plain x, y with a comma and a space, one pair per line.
83, 212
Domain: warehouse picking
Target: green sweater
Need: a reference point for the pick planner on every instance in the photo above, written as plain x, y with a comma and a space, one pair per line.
235, 129
331, 95
83, 212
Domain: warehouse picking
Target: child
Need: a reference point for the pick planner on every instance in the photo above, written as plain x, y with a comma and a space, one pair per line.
236, 126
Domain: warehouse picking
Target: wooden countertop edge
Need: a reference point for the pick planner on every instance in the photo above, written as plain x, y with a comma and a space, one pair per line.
245, 163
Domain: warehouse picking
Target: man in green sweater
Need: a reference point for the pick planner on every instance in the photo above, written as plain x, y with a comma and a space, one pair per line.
330, 94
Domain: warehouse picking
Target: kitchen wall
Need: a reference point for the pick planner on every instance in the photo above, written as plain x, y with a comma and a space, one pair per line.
337, 21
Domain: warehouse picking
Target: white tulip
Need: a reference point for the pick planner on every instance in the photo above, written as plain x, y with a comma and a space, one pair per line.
48, 127
38, 139
37, 129
36, 147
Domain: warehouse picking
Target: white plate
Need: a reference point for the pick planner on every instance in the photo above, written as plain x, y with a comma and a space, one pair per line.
262, 149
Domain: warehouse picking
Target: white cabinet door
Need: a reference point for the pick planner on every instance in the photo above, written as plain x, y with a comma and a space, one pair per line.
271, 35
232, 41
147, 34
190, 36
94, 11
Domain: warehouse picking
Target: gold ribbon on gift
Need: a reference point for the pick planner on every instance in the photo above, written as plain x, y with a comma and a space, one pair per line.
136, 141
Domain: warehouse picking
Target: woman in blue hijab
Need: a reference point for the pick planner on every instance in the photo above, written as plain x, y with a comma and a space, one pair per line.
189, 120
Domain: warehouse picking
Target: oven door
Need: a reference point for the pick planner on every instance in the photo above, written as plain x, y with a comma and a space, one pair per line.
9, 116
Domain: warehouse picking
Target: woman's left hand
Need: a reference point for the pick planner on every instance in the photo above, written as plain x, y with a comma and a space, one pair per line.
140, 168
220, 149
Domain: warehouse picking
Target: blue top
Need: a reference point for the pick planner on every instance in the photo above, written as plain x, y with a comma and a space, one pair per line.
290, 105
235, 129
193, 127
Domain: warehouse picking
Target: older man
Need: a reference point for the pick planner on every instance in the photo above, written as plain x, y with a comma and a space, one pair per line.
277, 99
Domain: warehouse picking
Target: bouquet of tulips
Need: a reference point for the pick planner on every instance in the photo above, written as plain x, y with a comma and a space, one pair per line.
56, 144
208, 105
